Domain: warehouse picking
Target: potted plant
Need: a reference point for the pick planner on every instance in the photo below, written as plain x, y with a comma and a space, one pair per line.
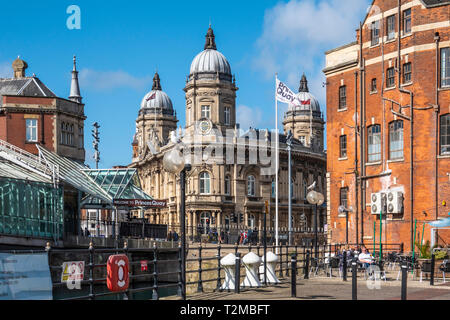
425, 258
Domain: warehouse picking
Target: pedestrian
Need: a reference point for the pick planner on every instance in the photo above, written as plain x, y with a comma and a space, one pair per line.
175, 236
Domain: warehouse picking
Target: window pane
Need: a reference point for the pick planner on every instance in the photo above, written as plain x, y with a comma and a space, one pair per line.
396, 140
374, 143
445, 67
445, 134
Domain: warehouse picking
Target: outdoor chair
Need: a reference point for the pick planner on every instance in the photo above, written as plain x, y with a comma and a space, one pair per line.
445, 267
333, 263
316, 264
425, 267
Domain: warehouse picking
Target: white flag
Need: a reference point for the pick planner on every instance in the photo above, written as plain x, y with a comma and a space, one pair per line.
284, 94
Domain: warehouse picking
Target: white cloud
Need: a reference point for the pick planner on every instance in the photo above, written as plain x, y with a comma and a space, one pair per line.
107, 80
249, 117
297, 33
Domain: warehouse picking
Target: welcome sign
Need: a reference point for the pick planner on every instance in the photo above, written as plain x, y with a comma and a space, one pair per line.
140, 203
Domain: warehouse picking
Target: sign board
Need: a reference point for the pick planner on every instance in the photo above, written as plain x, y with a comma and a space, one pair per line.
140, 203
325, 228
25, 277
72, 271
144, 265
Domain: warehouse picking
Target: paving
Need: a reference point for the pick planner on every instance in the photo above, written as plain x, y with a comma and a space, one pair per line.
322, 288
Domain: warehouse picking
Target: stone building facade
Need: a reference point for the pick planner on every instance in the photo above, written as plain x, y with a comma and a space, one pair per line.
392, 84
225, 193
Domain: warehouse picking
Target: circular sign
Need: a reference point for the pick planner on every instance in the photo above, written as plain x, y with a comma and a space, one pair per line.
204, 126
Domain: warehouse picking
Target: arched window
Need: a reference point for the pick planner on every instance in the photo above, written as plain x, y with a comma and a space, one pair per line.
396, 140
445, 134
205, 183
251, 186
227, 185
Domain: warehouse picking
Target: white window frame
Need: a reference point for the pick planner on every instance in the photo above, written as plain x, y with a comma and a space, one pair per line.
227, 113
204, 183
31, 130
251, 186
206, 112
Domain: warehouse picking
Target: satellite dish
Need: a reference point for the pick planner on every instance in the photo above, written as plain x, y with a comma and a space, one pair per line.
341, 209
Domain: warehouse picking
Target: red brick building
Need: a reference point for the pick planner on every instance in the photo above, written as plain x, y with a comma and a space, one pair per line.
392, 85
30, 114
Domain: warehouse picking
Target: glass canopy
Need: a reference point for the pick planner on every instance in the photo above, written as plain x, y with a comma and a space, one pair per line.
120, 183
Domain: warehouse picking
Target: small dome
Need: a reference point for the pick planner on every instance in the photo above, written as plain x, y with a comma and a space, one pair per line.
210, 60
156, 99
305, 100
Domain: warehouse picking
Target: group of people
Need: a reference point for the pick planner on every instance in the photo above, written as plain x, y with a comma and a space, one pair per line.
172, 235
362, 255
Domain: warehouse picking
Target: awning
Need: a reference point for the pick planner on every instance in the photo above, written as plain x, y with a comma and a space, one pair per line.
120, 183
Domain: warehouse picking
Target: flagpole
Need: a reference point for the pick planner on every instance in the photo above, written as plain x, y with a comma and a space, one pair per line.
276, 165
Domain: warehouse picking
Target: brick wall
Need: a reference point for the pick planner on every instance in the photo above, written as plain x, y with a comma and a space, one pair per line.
419, 49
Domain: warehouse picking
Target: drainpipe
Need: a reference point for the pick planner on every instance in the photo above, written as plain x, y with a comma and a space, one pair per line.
436, 109
363, 132
356, 157
411, 176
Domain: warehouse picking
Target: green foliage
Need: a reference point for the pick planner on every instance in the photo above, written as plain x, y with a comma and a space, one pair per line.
440, 255
424, 250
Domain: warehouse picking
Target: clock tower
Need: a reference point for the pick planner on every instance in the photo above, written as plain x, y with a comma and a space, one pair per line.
210, 92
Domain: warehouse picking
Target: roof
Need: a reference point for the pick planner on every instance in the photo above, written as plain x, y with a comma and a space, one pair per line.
435, 3
28, 86
72, 173
13, 171
120, 183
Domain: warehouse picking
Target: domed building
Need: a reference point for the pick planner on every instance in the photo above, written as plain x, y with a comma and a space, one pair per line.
224, 193
305, 118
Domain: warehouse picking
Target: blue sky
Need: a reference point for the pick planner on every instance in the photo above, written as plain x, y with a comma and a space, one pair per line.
121, 44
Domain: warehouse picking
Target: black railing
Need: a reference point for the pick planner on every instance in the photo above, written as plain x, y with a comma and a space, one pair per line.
145, 281
154, 269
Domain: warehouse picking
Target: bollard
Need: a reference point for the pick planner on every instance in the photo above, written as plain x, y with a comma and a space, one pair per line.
294, 276
237, 277
91, 271
433, 261
306, 270
218, 268
404, 280
287, 261
200, 282
344, 266
354, 281
155, 272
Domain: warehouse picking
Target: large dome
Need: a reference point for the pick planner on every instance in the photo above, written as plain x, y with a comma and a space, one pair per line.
156, 99
210, 61
305, 100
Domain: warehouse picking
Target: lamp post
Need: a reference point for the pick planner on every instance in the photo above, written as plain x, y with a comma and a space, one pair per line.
289, 145
174, 163
316, 199
344, 209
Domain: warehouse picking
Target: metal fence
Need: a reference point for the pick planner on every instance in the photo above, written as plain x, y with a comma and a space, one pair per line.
162, 273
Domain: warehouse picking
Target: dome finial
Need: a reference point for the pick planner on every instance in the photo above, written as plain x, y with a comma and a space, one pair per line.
303, 84
210, 39
156, 82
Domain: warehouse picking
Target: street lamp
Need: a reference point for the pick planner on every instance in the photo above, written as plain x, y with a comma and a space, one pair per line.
317, 199
341, 210
174, 163
289, 146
